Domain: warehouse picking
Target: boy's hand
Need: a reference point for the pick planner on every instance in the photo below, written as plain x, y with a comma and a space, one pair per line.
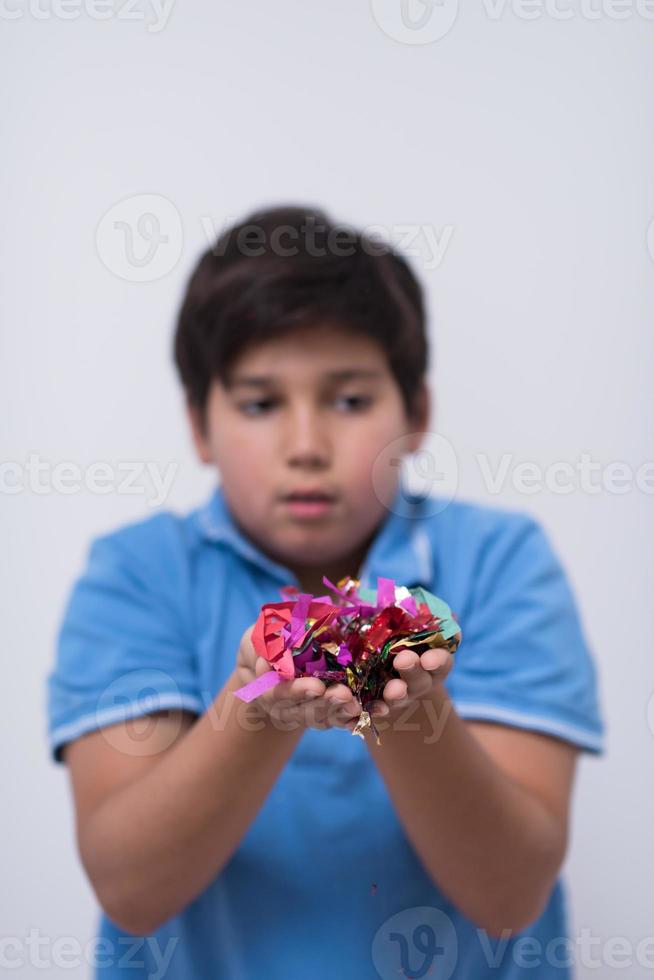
305, 701
420, 673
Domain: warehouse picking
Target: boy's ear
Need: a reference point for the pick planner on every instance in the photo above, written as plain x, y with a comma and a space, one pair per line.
198, 432
420, 418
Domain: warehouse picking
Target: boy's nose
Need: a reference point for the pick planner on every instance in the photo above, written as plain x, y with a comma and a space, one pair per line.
307, 442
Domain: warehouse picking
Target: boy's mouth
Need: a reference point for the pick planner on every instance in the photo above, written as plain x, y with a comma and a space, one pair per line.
309, 502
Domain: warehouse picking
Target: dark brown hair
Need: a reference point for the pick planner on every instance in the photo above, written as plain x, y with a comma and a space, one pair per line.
289, 267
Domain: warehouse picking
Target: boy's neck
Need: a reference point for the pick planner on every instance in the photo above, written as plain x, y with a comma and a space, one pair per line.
310, 577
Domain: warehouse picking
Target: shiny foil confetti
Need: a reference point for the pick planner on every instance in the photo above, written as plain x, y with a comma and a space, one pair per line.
350, 638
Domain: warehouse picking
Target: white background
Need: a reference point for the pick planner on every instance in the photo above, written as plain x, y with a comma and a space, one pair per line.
531, 140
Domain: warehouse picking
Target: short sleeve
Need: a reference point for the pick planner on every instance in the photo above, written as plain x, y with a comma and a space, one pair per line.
524, 659
123, 649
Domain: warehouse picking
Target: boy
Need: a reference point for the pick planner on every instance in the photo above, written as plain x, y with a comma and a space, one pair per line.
264, 841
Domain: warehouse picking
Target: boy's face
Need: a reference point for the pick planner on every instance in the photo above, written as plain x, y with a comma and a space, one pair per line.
309, 411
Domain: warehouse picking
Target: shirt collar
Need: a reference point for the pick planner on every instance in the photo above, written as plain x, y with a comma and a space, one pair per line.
400, 550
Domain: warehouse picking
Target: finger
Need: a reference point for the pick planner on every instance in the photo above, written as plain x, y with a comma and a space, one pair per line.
314, 714
396, 690
406, 660
346, 718
296, 691
419, 682
352, 709
337, 708
438, 662
379, 709
339, 711
339, 693
304, 714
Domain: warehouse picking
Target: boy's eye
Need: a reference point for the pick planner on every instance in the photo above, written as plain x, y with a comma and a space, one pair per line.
256, 407
261, 406
356, 402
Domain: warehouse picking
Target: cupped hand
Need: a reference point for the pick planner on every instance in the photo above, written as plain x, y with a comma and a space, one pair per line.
419, 675
303, 701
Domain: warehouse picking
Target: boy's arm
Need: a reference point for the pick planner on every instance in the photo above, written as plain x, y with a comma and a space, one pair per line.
485, 807
156, 822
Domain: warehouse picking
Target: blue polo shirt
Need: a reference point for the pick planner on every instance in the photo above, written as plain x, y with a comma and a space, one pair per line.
154, 621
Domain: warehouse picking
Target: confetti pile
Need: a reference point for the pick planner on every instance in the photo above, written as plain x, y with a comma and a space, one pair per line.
351, 639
